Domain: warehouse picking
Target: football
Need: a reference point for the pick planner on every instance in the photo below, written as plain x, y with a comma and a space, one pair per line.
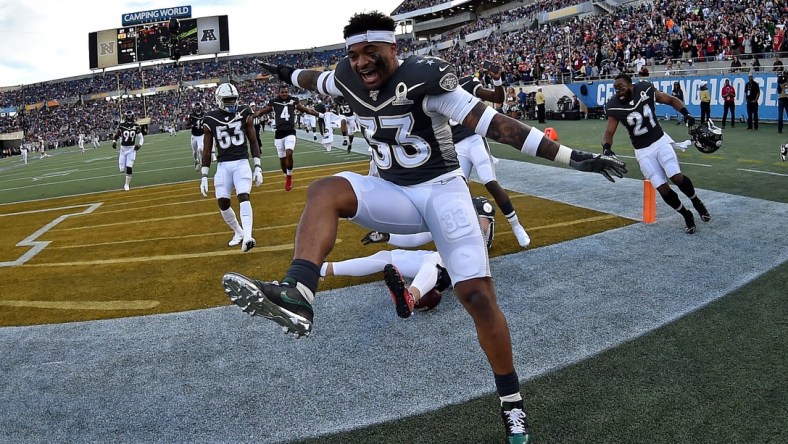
428, 301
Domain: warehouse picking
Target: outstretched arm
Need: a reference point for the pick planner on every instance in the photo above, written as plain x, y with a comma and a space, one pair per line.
304, 78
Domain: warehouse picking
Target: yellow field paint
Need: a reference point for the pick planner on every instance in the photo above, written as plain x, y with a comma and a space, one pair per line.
157, 239
568, 223
138, 221
83, 305
168, 257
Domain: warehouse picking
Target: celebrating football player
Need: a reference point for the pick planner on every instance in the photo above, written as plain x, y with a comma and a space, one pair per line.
131, 140
230, 126
284, 108
404, 109
194, 119
633, 106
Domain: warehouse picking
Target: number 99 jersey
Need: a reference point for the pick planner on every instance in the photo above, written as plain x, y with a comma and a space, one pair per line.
229, 132
638, 116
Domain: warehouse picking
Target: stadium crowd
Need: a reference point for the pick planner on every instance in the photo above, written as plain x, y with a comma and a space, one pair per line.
639, 38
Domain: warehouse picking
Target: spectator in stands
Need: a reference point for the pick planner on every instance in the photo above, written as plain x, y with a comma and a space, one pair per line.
679, 94
752, 92
756, 64
782, 99
729, 103
735, 64
777, 65
521, 97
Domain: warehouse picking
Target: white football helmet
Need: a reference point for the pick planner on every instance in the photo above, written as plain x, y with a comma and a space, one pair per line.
227, 97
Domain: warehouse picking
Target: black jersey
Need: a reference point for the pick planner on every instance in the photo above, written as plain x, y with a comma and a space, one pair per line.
195, 123
284, 116
459, 132
128, 133
229, 133
257, 122
345, 110
409, 147
638, 116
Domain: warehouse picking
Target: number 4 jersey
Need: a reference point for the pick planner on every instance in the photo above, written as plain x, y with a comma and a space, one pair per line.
229, 132
638, 116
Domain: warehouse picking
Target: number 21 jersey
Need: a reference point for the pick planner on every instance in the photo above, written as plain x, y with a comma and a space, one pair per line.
638, 116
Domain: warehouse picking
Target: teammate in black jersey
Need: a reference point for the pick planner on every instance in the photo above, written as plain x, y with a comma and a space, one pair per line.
131, 139
404, 109
634, 107
284, 107
257, 122
194, 119
230, 126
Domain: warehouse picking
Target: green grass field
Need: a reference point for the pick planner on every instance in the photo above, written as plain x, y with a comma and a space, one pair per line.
716, 375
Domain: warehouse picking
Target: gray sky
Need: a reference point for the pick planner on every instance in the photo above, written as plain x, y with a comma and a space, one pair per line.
48, 39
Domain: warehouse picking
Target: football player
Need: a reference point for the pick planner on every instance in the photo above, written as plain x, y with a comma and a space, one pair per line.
348, 124
633, 105
424, 266
257, 122
81, 142
473, 151
131, 139
404, 107
230, 126
195, 120
284, 108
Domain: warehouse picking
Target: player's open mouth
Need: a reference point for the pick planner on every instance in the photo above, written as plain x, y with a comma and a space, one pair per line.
370, 76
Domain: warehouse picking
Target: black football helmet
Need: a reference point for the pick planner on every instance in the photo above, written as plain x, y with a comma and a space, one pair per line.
783, 151
129, 116
197, 108
706, 137
485, 209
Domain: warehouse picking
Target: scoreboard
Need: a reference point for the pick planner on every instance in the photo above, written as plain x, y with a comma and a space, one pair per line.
153, 41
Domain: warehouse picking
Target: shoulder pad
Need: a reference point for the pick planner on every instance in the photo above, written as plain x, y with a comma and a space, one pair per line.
437, 74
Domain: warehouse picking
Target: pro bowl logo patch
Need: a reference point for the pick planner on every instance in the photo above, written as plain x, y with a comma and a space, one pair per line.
449, 81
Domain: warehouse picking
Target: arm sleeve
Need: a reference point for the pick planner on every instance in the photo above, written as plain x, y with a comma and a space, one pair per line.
455, 104
140, 139
327, 85
410, 240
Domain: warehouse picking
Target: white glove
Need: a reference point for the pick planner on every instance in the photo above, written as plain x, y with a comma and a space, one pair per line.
204, 186
258, 176
681, 145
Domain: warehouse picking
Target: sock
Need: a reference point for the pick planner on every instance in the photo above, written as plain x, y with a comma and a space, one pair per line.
323, 269
246, 219
128, 179
687, 188
289, 172
304, 272
507, 386
229, 216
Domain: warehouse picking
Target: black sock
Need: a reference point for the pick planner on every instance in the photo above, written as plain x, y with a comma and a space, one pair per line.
304, 272
507, 385
687, 188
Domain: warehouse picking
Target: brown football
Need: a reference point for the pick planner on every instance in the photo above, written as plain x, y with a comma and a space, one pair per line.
428, 301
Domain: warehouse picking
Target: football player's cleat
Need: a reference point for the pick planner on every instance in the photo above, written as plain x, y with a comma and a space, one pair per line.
444, 280
126, 187
689, 221
128, 116
236, 240
349, 147
783, 151
485, 209
226, 96
288, 183
403, 300
287, 305
375, 237
515, 421
701, 209
247, 244
521, 235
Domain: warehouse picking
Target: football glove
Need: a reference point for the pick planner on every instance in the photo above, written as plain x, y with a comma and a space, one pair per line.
591, 163
258, 176
375, 237
283, 72
689, 120
137, 147
606, 151
204, 186
114, 145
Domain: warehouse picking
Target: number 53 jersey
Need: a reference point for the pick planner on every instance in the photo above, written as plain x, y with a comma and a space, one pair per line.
229, 132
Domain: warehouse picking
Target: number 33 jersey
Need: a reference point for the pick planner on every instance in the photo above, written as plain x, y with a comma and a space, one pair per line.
410, 143
229, 132
638, 116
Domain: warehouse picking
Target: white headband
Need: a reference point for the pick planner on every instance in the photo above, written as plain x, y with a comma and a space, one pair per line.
371, 36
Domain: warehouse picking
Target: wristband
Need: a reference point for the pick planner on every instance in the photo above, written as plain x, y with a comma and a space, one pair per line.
294, 77
498, 82
256, 161
606, 146
204, 171
564, 155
